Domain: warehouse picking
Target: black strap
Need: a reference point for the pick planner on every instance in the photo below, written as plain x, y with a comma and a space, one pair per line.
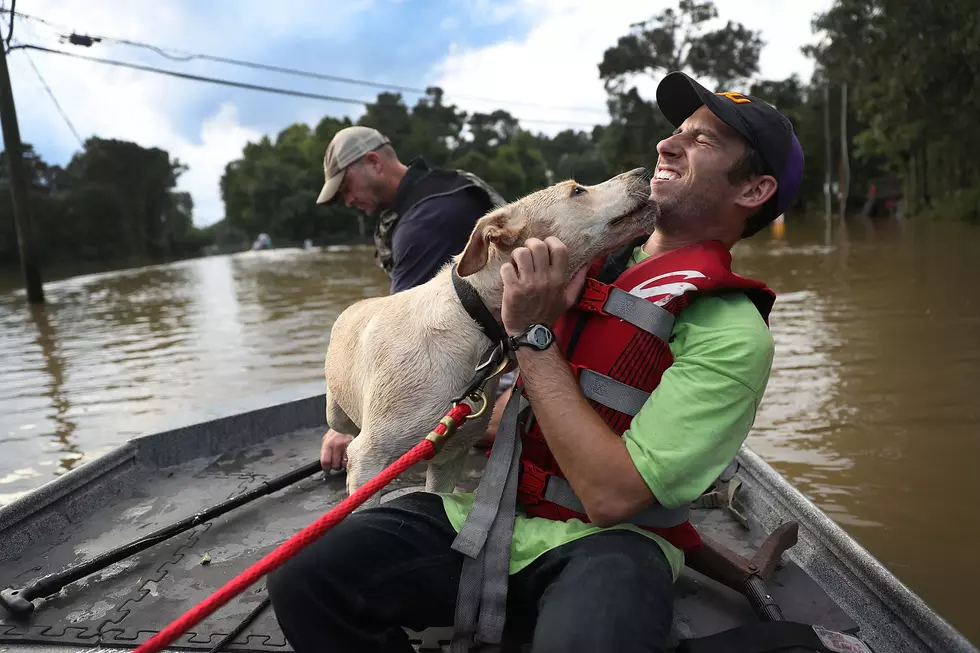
242, 625
617, 262
477, 309
762, 637
614, 265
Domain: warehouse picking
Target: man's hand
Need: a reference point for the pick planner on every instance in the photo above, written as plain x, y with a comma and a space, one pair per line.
534, 284
333, 451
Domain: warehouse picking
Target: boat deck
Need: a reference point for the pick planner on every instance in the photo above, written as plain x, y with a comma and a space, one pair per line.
128, 602
158, 479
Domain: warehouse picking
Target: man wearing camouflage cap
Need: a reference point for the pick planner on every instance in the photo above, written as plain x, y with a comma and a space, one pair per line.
427, 214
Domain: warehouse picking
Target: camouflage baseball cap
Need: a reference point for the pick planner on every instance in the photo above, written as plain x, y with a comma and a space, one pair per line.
346, 147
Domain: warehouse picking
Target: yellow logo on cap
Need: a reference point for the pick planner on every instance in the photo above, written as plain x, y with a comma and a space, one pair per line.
735, 97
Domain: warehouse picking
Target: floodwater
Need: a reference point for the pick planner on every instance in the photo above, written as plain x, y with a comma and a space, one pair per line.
873, 408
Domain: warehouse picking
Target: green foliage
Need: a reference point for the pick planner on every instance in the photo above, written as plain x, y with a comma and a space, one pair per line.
114, 201
678, 40
908, 68
272, 188
961, 205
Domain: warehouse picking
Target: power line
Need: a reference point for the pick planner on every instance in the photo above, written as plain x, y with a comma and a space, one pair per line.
183, 56
198, 78
55, 100
10, 31
252, 87
40, 78
44, 21
179, 55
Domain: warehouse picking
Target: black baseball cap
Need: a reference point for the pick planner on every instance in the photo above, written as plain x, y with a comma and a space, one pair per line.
768, 131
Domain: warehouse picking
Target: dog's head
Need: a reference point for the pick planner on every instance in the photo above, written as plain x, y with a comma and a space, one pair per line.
589, 220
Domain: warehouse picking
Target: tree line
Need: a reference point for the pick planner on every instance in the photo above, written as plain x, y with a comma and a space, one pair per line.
907, 69
115, 201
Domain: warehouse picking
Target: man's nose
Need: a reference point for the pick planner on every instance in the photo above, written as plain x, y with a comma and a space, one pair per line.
348, 199
668, 148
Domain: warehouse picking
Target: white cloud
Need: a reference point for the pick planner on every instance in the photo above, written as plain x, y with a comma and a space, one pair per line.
118, 104
222, 140
144, 108
556, 64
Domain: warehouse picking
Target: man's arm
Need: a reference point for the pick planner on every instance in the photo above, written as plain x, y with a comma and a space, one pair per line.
429, 234
592, 456
685, 433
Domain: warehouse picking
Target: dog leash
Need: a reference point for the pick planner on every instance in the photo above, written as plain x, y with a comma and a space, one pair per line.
470, 407
462, 410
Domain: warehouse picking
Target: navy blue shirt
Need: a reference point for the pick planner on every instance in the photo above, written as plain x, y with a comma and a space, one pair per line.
430, 233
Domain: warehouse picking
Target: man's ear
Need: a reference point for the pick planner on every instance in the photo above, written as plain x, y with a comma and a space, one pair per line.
757, 192
499, 229
373, 160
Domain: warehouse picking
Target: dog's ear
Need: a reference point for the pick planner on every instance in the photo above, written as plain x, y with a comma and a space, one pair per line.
502, 229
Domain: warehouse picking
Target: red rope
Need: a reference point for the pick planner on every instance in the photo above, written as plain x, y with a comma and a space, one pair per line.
424, 450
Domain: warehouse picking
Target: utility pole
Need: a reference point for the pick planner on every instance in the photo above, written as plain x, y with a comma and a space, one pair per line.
18, 186
845, 168
828, 163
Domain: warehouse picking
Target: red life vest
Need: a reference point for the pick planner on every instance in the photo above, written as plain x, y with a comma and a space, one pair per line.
593, 339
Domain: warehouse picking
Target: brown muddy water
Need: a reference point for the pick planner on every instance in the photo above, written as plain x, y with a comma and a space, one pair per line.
873, 408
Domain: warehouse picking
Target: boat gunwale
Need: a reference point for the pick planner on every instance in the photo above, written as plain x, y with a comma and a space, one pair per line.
166, 442
908, 608
65, 486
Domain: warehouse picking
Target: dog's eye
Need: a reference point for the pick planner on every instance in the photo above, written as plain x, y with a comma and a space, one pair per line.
578, 190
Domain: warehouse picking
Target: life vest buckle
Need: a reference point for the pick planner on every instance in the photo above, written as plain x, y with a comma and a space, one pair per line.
532, 483
594, 296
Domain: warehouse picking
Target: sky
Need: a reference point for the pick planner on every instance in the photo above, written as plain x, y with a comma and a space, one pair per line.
536, 58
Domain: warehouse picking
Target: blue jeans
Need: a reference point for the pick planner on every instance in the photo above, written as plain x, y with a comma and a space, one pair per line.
392, 566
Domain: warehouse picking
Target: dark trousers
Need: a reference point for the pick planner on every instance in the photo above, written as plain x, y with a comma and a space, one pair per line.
392, 566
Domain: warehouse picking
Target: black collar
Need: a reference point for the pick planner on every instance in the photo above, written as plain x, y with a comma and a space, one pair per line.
477, 309
617, 262
417, 168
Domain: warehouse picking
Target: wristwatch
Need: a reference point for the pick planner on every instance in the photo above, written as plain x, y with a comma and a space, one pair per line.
537, 336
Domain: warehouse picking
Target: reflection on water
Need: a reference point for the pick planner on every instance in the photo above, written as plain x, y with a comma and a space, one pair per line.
871, 410
111, 353
872, 407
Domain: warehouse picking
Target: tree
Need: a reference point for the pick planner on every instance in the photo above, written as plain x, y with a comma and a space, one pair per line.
436, 129
671, 40
139, 183
489, 131
677, 40
115, 201
904, 64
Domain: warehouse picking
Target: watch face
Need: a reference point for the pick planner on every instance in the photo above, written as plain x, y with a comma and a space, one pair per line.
539, 336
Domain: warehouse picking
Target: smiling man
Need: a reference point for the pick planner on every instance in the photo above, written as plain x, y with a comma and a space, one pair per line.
634, 395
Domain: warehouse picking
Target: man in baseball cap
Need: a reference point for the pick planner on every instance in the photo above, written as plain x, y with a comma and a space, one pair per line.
755, 141
424, 215
349, 146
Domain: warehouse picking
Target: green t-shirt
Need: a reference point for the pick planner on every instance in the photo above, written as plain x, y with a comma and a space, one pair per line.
687, 431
